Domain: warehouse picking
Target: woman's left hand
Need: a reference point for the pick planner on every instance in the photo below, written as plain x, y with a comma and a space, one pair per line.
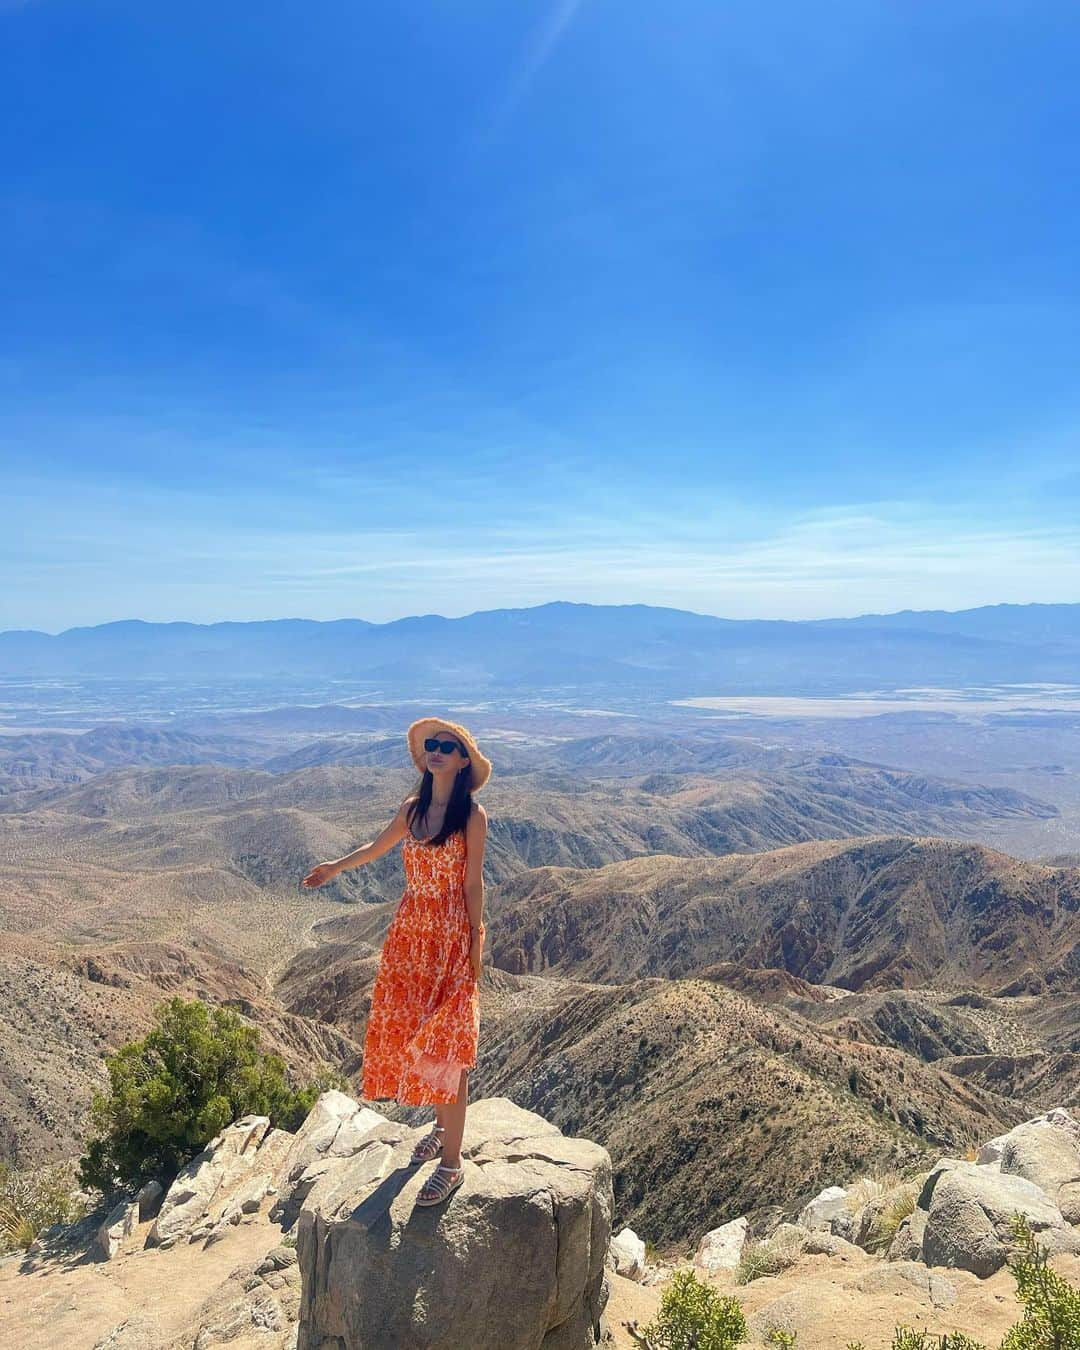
476, 953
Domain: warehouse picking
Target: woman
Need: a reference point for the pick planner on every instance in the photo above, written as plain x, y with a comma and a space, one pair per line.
425, 1011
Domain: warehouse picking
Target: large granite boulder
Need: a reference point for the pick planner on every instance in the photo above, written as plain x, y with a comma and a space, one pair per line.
514, 1260
820, 1212
969, 1209
1059, 1116
1049, 1155
722, 1248
628, 1254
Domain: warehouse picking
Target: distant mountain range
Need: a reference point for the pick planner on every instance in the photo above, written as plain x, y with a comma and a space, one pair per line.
639, 649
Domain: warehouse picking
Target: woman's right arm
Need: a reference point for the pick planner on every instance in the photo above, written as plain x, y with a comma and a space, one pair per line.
395, 831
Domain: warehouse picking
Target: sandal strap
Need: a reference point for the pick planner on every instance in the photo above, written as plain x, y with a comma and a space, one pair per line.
429, 1145
440, 1182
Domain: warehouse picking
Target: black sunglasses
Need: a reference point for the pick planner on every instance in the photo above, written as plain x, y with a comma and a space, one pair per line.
447, 747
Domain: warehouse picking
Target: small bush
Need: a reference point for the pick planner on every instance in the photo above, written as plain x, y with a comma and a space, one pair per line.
768, 1256
32, 1201
1051, 1318
907, 1338
692, 1317
198, 1070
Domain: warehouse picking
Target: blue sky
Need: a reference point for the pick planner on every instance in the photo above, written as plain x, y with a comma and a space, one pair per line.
370, 310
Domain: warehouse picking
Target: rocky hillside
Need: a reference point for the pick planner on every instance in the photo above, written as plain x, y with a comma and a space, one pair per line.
708, 1102
880, 912
146, 881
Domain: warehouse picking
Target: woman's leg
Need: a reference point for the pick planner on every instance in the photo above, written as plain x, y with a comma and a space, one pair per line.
451, 1116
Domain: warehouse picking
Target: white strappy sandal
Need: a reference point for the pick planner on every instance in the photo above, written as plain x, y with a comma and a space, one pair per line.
428, 1148
442, 1183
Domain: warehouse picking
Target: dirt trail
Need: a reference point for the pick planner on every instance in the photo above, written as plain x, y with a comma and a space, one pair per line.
63, 1305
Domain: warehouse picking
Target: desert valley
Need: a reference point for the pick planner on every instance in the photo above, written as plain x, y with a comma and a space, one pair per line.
750, 952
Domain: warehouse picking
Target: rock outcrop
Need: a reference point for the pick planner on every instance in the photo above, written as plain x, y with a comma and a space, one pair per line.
824, 1207
226, 1160
1049, 1155
722, 1248
515, 1260
969, 1209
119, 1224
628, 1254
336, 1127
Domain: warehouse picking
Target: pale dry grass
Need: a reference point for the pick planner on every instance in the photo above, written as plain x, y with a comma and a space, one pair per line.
871, 1187
768, 1256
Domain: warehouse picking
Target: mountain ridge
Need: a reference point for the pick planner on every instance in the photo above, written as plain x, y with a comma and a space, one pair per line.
566, 644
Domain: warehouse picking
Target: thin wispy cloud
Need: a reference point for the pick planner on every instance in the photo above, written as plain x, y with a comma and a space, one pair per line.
541, 46
230, 562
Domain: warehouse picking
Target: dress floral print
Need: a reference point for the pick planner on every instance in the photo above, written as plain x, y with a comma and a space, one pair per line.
425, 1009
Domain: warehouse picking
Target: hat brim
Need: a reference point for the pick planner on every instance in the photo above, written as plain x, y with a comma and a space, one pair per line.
424, 726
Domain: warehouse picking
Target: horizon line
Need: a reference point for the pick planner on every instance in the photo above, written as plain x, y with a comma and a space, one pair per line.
549, 604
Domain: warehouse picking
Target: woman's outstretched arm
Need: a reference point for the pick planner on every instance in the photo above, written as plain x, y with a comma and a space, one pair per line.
395, 831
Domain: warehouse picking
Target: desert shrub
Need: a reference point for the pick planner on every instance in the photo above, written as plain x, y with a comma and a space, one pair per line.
778, 1336
768, 1256
692, 1316
907, 1338
1051, 1318
197, 1070
889, 1220
32, 1201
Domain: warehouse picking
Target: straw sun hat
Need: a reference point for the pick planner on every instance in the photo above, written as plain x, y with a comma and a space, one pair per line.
427, 726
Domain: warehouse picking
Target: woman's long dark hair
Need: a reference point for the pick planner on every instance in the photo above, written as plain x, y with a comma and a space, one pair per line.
458, 808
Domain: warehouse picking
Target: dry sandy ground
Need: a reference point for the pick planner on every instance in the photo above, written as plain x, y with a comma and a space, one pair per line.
73, 1306
811, 1299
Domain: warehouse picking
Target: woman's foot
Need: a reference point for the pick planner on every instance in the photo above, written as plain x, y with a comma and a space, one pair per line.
440, 1185
427, 1148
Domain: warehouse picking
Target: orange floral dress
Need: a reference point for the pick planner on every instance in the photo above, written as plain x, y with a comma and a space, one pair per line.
425, 1008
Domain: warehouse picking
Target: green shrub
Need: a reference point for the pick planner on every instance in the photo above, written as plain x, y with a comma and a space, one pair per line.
907, 1338
1051, 1318
198, 1070
692, 1317
32, 1201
